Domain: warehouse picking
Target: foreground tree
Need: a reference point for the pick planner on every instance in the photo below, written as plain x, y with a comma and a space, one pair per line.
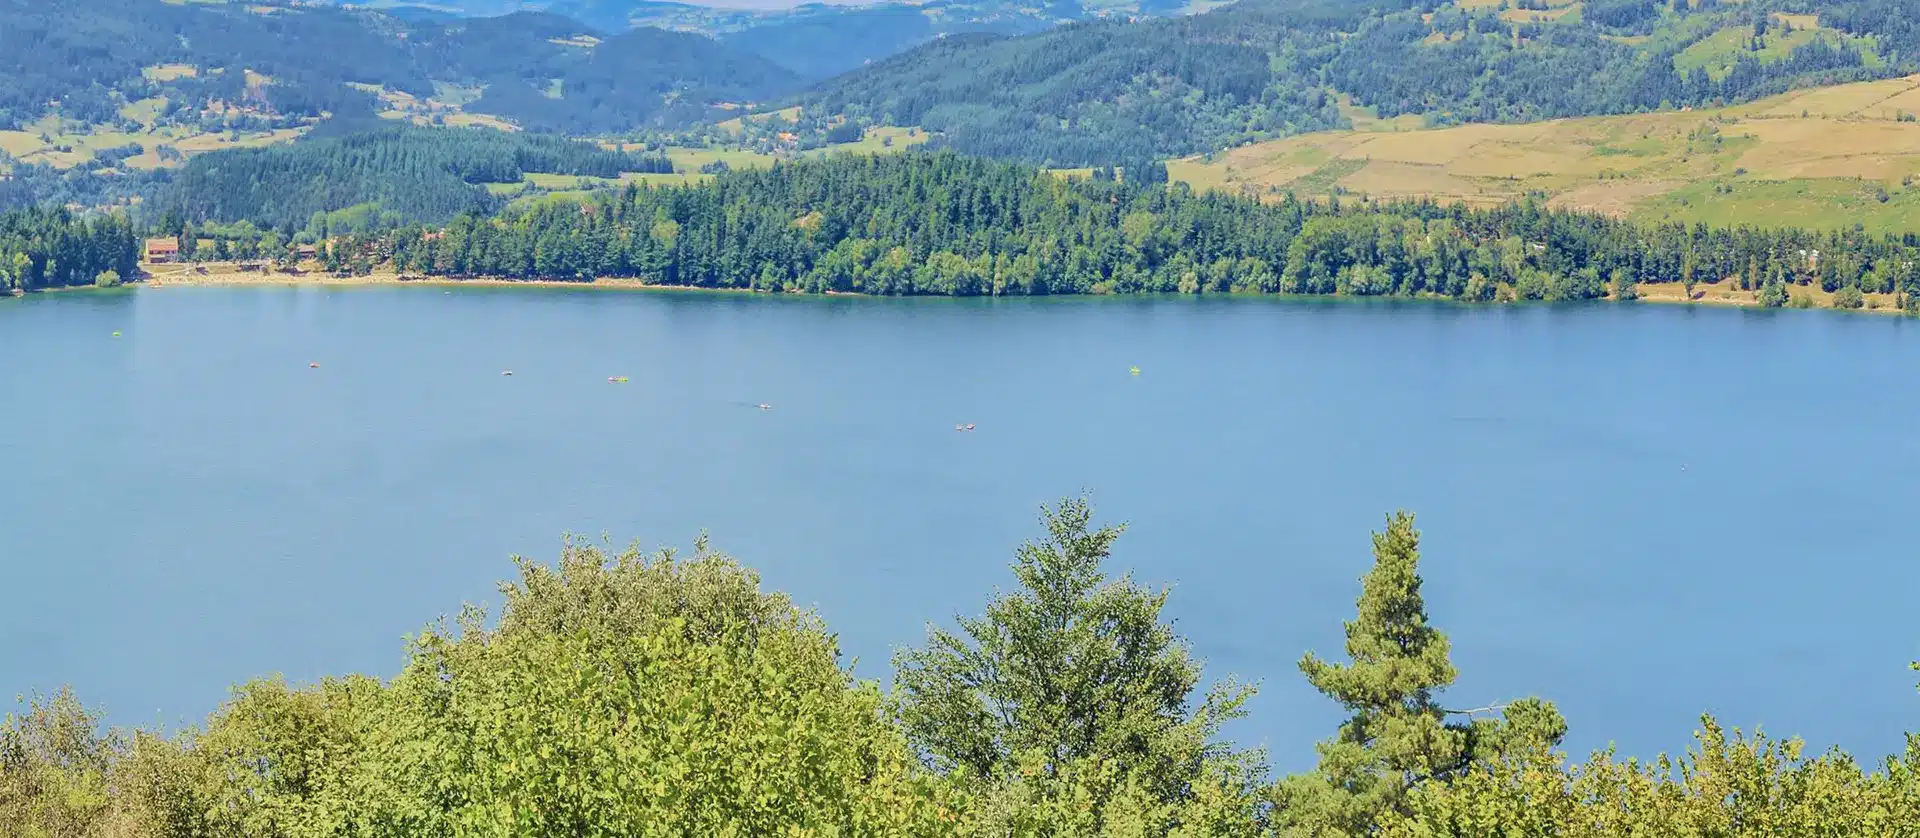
646, 695
1067, 706
55, 764
1397, 737
1730, 784
637, 694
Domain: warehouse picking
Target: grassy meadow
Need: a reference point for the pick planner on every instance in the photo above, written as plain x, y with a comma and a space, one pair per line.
64, 144
687, 163
1819, 158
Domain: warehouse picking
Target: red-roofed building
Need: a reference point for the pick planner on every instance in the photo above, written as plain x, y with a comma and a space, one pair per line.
163, 250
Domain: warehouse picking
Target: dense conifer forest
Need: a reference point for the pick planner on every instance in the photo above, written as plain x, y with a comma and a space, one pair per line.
664, 694
416, 174
940, 223
52, 248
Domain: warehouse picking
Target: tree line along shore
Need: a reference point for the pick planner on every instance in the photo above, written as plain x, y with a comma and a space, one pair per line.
942, 224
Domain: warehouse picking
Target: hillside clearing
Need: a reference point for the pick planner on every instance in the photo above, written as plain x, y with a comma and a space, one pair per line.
1824, 157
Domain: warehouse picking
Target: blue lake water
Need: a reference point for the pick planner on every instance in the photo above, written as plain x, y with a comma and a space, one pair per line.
1641, 512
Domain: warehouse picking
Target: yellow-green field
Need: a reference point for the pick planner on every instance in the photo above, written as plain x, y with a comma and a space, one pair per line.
878, 140
735, 125
1556, 10
1717, 52
170, 72
64, 144
687, 163
445, 105
1825, 157
689, 160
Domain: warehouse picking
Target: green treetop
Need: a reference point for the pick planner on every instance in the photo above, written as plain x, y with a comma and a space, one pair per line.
1397, 736
1068, 702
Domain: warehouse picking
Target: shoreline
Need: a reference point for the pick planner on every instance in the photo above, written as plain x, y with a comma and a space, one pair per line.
1719, 294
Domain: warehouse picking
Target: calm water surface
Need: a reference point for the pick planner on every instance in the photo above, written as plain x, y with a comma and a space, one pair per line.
1640, 512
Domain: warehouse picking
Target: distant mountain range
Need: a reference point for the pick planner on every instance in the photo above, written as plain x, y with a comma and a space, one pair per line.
1066, 85
815, 40
215, 65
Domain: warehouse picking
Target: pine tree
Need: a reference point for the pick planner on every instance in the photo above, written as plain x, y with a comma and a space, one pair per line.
1072, 675
1624, 288
1398, 735
1773, 294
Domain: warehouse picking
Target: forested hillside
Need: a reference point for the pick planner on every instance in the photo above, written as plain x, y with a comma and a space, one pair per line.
1103, 93
1093, 92
92, 57
549, 72
664, 694
276, 62
412, 174
827, 41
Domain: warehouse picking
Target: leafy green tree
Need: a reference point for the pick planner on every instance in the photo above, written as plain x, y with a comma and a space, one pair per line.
1848, 297
645, 695
55, 768
1731, 784
276, 760
1069, 702
1397, 736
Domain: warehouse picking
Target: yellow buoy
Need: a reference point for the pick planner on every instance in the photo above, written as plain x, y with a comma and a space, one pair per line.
116, 334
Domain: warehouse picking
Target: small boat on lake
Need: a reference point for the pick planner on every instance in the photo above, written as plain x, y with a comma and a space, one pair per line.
616, 379
314, 365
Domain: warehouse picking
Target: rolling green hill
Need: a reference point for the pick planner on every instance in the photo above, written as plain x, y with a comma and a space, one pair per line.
1826, 158
1262, 69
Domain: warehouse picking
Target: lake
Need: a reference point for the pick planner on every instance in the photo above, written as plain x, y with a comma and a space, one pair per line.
1640, 512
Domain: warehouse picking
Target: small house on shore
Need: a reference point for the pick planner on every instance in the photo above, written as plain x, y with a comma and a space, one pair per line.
162, 250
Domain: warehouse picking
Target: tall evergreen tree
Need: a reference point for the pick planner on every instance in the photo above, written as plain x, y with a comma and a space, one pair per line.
1398, 736
1073, 690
